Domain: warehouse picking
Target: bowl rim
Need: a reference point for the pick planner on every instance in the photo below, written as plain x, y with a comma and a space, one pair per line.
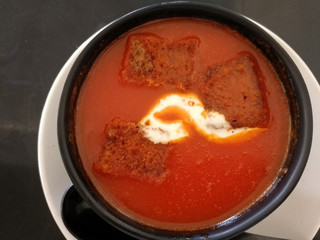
161, 11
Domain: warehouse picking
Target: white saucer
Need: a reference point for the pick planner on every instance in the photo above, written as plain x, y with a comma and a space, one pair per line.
297, 218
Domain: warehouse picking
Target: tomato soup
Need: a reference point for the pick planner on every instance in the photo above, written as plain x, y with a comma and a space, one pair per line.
182, 124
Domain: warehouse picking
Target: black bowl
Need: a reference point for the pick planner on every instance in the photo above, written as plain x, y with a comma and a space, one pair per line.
290, 76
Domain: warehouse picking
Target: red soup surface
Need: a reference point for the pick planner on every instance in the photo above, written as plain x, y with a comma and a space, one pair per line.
197, 180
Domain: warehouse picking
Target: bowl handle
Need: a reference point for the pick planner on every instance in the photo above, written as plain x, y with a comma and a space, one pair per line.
83, 222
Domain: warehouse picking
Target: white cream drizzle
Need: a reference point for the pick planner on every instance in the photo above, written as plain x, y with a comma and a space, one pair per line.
210, 123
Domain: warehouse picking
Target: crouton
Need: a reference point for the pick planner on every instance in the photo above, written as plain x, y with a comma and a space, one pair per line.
235, 89
127, 152
153, 61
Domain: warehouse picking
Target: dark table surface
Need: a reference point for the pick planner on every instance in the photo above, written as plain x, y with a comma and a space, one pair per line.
36, 39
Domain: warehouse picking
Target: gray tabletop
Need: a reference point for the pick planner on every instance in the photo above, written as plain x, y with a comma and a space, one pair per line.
36, 39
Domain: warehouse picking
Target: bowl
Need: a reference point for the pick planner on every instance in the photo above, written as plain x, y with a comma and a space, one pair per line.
292, 81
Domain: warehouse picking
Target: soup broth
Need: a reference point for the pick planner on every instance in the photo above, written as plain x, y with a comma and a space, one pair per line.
232, 126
